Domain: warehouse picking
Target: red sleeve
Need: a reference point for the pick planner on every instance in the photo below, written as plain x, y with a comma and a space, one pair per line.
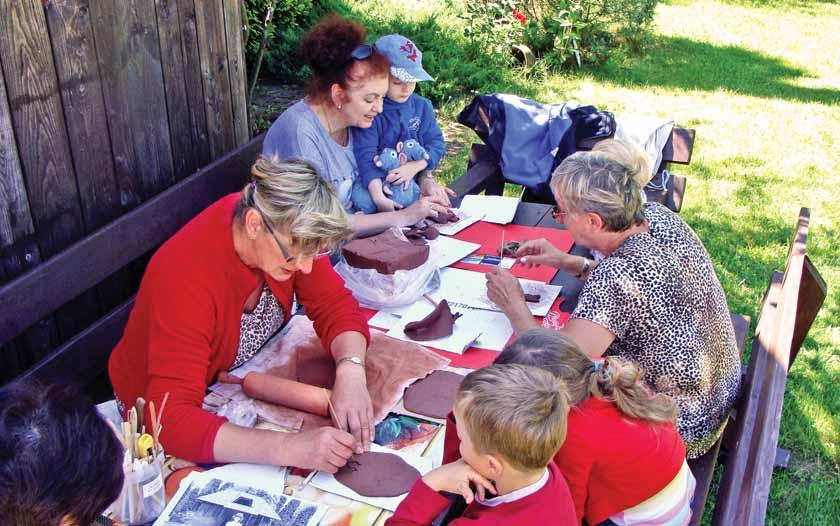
451, 442
575, 460
331, 307
180, 323
422, 505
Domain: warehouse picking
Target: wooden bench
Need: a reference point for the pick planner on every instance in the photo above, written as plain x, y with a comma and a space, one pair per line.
484, 174
83, 359
791, 303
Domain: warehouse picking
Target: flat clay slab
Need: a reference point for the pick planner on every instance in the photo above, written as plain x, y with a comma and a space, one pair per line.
433, 395
375, 474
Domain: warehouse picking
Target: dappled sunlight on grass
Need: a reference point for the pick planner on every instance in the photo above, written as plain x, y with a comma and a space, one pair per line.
761, 85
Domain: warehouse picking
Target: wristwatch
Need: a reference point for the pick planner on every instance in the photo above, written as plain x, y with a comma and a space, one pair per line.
352, 359
585, 269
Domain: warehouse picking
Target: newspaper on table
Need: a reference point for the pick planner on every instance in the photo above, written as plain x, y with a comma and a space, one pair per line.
225, 499
470, 288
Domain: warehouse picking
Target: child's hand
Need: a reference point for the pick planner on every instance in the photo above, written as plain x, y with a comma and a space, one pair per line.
405, 173
456, 477
383, 204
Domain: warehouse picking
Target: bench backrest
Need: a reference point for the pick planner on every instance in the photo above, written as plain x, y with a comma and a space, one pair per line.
790, 305
94, 258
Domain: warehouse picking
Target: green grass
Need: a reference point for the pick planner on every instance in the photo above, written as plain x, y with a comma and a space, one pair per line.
760, 82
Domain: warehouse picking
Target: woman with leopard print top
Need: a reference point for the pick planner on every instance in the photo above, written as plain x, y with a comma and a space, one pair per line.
655, 299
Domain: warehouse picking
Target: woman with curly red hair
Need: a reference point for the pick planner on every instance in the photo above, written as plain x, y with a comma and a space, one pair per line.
346, 88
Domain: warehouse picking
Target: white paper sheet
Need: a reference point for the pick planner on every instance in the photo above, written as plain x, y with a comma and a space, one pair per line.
387, 318
326, 482
470, 288
448, 250
465, 330
464, 220
494, 208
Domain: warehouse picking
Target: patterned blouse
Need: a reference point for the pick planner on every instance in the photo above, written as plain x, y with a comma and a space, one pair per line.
660, 297
258, 326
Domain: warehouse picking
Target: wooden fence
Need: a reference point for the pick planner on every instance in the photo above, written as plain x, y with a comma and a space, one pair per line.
104, 104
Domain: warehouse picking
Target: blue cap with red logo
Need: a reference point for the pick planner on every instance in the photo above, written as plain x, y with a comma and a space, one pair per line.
405, 58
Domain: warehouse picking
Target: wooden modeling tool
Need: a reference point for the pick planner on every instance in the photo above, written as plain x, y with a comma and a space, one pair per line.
502, 246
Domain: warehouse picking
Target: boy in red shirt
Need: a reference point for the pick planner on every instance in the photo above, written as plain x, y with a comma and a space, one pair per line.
511, 420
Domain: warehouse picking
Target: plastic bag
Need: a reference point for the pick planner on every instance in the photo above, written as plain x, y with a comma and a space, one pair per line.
378, 291
143, 496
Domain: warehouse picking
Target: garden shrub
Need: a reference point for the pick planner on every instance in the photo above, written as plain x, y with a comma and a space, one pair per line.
561, 32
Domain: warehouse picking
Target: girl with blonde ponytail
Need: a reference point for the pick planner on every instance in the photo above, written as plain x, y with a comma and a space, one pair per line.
623, 458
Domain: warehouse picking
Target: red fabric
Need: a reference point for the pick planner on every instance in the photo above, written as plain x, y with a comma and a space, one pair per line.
551, 505
489, 236
184, 327
611, 462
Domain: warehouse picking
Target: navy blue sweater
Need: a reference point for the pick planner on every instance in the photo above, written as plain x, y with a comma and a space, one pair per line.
412, 119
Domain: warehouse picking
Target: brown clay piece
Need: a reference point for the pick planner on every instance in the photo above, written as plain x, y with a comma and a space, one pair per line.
437, 324
532, 298
510, 248
376, 474
434, 395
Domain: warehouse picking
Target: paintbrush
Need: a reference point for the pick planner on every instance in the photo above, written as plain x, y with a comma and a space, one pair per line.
331, 409
433, 302
155, 425
502, 246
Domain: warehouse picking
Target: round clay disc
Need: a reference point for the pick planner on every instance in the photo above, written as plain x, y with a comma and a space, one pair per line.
375, 474
433, 396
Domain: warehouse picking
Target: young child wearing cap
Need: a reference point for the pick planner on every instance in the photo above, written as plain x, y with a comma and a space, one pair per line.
405, 116
511, 420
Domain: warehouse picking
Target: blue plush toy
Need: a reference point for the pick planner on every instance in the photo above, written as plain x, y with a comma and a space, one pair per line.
414, 151
388, 159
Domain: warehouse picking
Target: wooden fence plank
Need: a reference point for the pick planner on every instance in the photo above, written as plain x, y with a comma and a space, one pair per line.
237, 70
195, 86
32, 90
214, 72
79, 81
15, 218
172, 60
128, 50
38, 121
18, 247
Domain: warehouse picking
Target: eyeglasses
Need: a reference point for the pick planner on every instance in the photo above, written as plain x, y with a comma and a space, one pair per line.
283, 248
362, 51
559, 215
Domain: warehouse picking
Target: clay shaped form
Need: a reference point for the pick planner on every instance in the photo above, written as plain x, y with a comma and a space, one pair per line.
437, 324
510, 248
434, 395
532, 298
446, 217
425, 231
375, 474
385, 252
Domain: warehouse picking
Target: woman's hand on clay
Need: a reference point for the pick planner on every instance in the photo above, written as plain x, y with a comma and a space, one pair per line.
504, 290
456, 477
325, 449
423, 208
437, 193
539, 252
353, 408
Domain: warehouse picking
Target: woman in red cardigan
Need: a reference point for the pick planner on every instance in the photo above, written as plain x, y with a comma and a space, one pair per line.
217, 290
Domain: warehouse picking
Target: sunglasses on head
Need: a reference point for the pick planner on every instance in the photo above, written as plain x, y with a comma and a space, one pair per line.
362, 51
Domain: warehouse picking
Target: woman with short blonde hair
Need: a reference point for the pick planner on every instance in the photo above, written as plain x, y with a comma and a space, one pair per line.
218, 289
654, 300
